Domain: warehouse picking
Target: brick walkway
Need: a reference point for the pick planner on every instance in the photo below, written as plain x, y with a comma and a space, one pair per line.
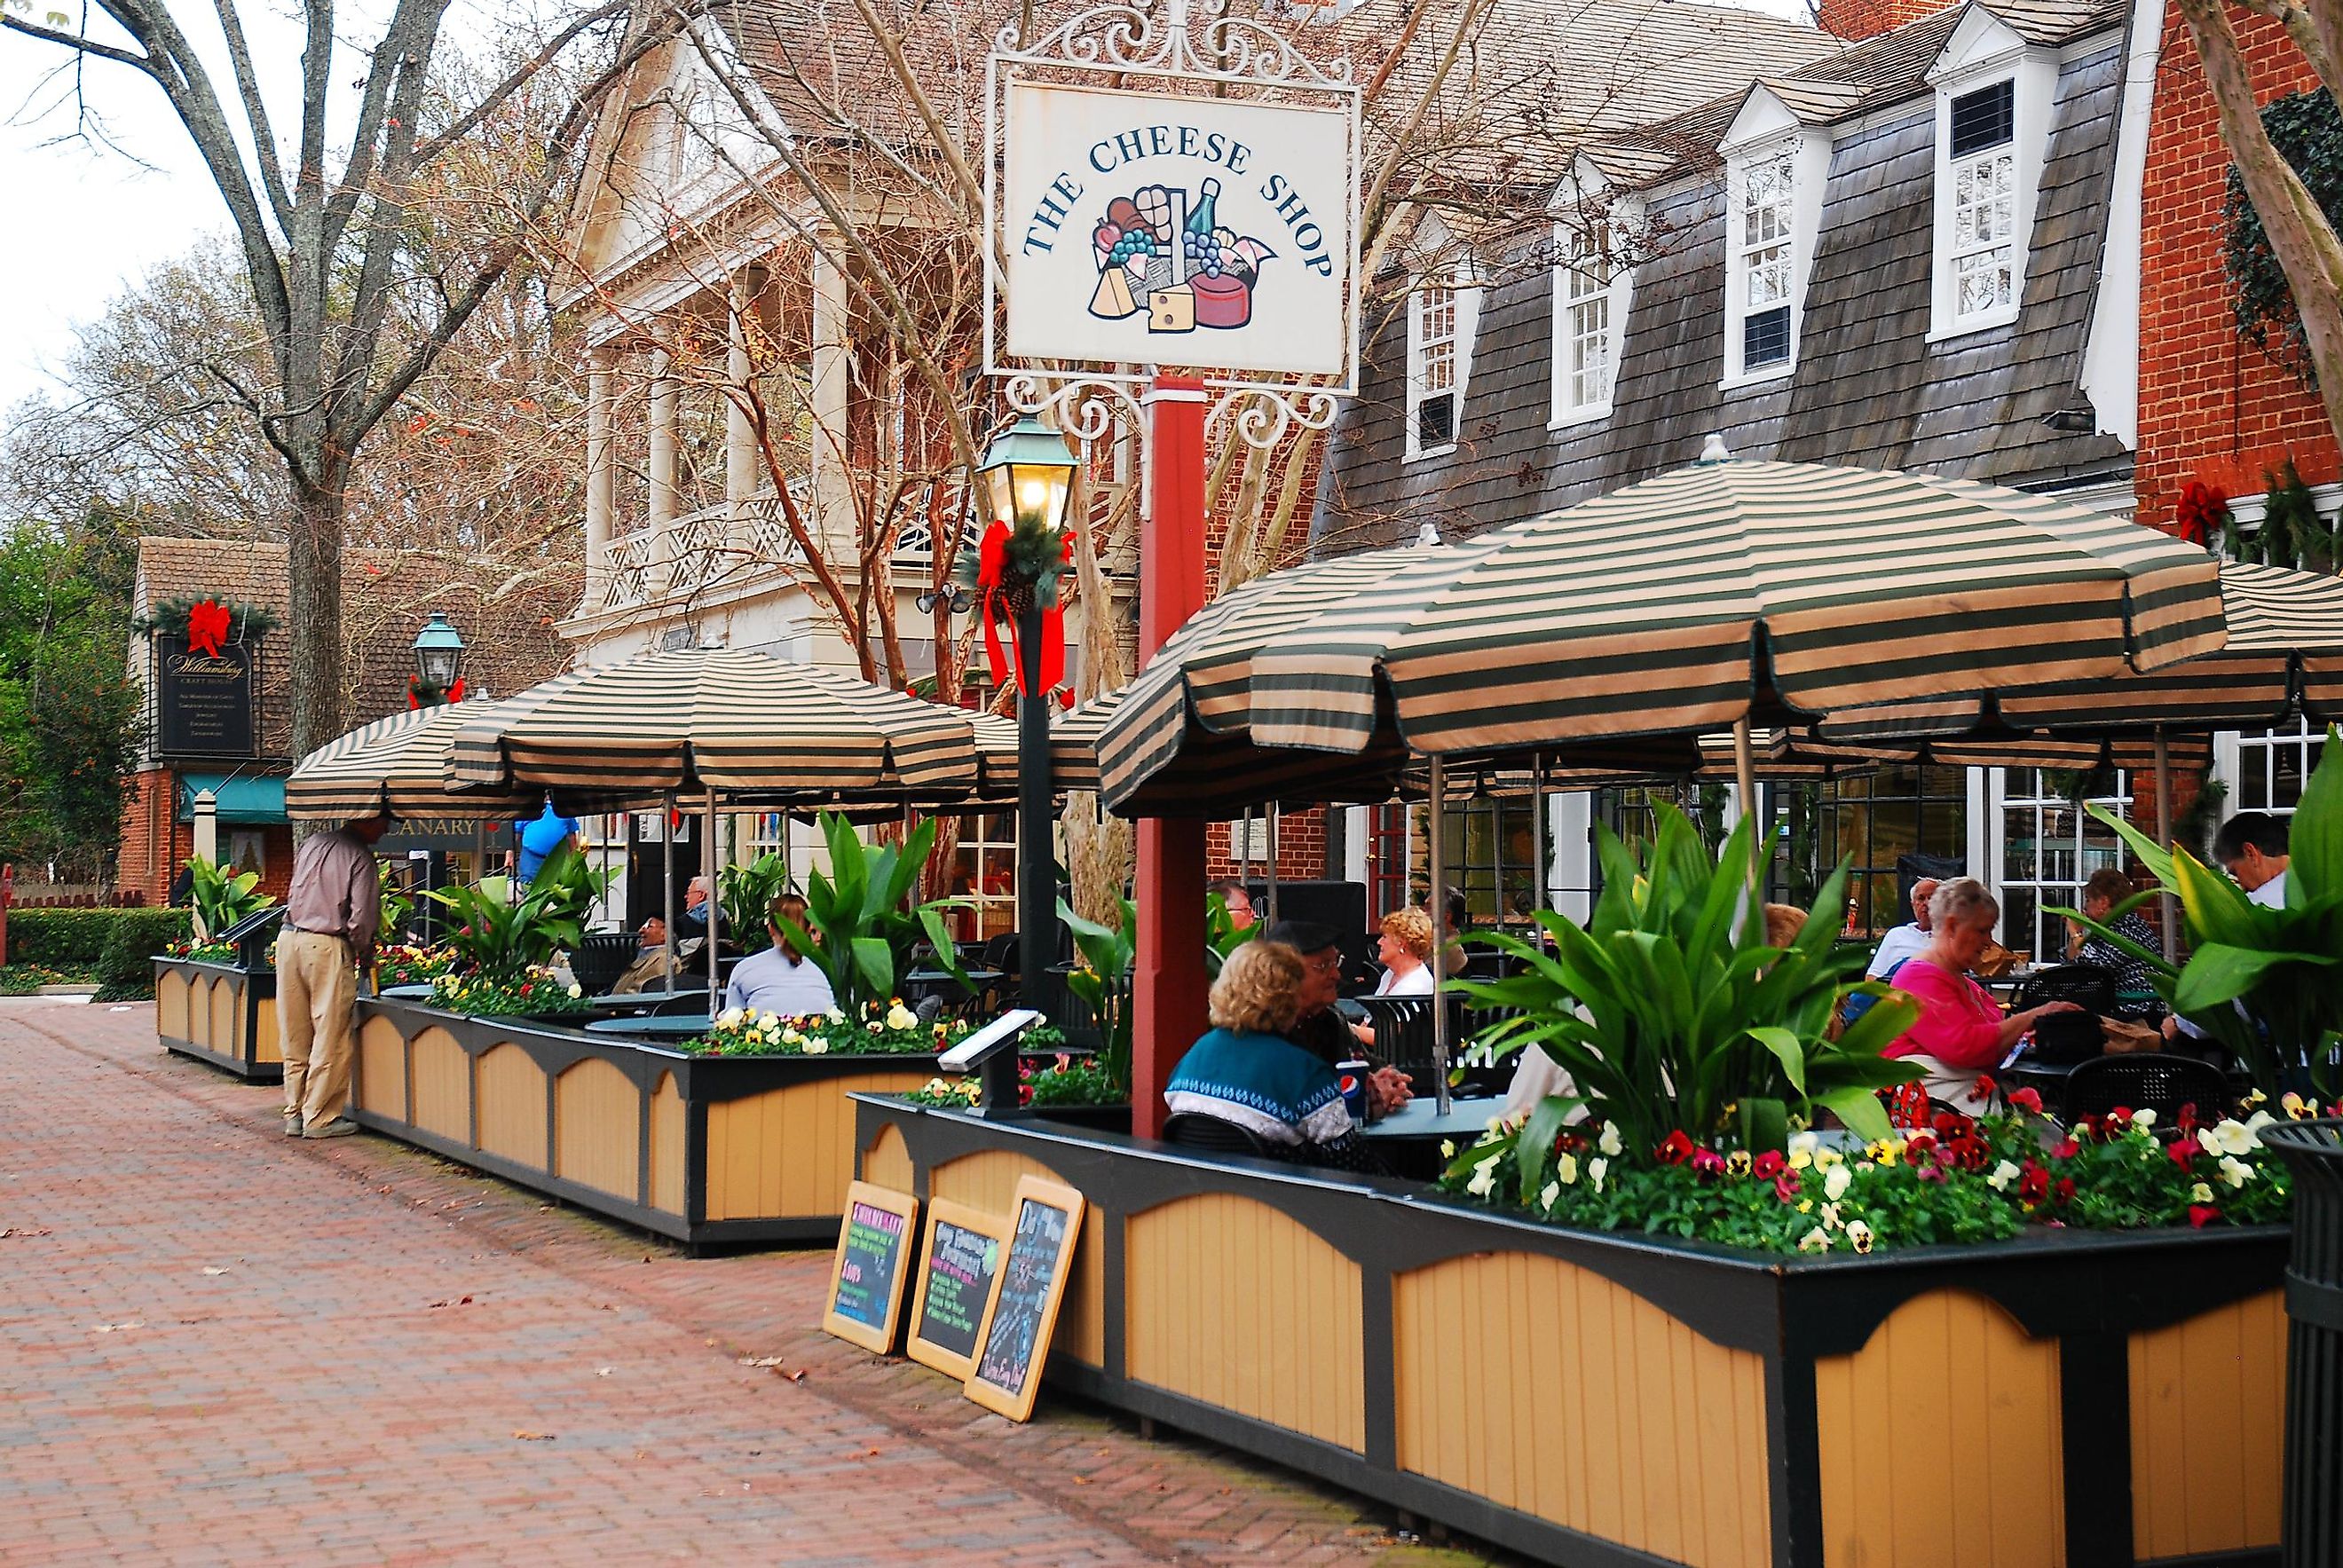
220, 1345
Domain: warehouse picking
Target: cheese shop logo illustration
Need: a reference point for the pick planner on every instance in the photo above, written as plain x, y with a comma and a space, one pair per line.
1164, 250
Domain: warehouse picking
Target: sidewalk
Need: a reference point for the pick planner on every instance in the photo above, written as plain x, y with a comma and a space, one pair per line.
220, 1344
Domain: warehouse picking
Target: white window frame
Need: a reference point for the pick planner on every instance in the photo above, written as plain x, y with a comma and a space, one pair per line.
2018, 796
1983, 53
1808, 152
1464, 297
2239, 756
1583, 252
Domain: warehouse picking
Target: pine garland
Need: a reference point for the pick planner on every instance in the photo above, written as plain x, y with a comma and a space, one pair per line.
168, 618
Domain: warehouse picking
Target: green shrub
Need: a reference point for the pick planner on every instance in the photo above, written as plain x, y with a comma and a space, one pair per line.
126, 969
58, 936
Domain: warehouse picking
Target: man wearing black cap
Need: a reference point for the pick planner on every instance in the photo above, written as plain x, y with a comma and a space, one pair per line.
1320, 1030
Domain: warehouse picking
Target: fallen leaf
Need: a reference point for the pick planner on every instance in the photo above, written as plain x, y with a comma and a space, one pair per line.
797, 1376
23, 1233
1081, 1481
604, 1372
761, 1362
113, 1328
214, 1273
534, 1436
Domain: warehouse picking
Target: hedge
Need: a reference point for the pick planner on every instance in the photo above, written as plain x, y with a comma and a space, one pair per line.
126, 969
71, 936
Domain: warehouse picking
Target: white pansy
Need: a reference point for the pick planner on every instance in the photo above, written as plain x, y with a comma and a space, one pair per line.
1804, 1144
791, 1036
1553, 1191
730, 1018
1448, 1149
835, 1016
1830, 1216
2144, 1117
901, 1018
1484, 1178
769, 1021
1836, 1183
1595, 1171
1565, 1170
1609, 1143
2232, 1138
2200, 1193
1814, 1240
1860, 1234
816, 1047
2236, 1172
1827, 1158
577, 990
2256, 1122
2208, 1140
2003, 1175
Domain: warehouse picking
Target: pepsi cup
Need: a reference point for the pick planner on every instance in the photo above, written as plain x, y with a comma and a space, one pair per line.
1353, 1076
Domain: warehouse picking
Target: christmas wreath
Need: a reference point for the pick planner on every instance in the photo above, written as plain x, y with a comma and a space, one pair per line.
1018, 566
206, 623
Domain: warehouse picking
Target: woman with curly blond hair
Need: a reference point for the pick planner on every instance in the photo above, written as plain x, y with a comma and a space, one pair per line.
1245, 1071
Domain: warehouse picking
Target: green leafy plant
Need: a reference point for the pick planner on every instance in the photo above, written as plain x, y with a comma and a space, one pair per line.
864, 927
221, 897
1073, 1080
2265, 983
396, 906
499, 940
125, 965
746, 892
889, 1029
1102, 982
1675, 1019
2308, 132
534, 991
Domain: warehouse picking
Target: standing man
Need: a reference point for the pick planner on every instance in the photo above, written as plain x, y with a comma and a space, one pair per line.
330, 918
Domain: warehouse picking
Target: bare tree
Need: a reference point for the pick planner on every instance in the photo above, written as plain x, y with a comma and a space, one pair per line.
358, 293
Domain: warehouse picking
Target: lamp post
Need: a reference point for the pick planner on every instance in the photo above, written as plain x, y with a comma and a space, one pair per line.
438, 662
1028, 475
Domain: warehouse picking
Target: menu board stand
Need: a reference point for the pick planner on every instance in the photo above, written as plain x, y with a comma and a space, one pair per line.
1045, 1221
866, 1278
958, 1275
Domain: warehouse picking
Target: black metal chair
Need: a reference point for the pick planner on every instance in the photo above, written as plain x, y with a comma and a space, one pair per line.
601, 958
675, 1004
1191, 1130
2146, 1081
2071, 1036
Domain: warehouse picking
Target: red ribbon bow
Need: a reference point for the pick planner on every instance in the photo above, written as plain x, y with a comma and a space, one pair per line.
1006, 665
207, 627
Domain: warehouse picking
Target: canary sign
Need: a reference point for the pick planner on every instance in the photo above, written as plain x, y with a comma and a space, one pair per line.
1209, 234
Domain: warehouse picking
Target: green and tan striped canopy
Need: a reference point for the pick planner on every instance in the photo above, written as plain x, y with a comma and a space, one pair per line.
1073, 750
397, 764
751, 726
1775, 592
2285, 647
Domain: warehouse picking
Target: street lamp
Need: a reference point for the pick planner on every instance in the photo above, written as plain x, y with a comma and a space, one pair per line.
439, 661
1027, 474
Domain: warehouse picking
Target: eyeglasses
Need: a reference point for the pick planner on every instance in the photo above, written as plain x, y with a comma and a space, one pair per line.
1324, 966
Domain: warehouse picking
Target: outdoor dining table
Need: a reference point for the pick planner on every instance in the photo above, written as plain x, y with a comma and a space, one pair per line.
920, 984
681, 1026
1409, 1139
622, 1002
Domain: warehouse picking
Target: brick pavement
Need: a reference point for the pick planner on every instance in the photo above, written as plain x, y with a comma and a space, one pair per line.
217, 1344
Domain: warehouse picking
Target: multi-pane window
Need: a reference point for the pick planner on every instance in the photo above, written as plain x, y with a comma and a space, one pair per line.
1982, 172
984, 873
1589, 342
2272, 766
1766, 231
1435, 365
1874, 821
2050, 846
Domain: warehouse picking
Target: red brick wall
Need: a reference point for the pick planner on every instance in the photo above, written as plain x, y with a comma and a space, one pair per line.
154, 844
1301, 848
1856, 19
2211, 406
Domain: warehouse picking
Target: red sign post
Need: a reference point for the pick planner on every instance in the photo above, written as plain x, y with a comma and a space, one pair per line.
1168, 971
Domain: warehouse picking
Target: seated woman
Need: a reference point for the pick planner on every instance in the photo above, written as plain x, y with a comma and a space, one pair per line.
780, 980
1404, 948
1960, 1033
2135, 992
1246, 1073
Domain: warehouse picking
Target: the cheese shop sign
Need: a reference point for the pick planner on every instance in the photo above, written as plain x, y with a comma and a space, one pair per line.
1177, 231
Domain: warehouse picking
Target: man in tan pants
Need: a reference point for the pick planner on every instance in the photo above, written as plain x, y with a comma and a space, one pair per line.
331, 914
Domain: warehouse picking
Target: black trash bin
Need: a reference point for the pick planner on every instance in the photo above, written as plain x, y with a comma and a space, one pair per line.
2311, 1532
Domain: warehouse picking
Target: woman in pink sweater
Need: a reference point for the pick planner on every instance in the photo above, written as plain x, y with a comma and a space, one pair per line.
1961, 1031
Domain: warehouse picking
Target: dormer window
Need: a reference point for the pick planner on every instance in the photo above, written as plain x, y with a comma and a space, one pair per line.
1438, 360
1775, 172
1983, 173
1592, 289
1994, 94
1767, 228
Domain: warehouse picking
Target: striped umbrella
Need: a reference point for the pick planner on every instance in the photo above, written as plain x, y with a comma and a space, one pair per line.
1728, 593
397, 764
1073, 750
751, 726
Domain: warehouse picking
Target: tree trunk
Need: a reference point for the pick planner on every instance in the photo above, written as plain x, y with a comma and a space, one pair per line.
313, 553
2304, 241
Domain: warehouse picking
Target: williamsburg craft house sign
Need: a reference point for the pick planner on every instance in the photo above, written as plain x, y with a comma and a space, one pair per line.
1209, 223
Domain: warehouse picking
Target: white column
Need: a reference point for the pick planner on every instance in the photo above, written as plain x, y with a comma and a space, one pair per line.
834, 502
663, 444
741, 469
601, 478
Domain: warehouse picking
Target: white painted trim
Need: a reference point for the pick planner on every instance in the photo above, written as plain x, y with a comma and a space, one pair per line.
1984, 53
1571, 815
2110, 375
1468, 287
2249, 510
1358, 821
1560, 413
1809, 149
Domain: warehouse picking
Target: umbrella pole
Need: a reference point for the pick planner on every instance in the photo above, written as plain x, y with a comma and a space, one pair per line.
1440, 935
1537, 829
2167, 917
708, 869
667, 886
1745, 779
479, 850
1272, 862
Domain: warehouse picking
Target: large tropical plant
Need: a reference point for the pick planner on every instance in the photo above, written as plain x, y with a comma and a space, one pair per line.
861, 926
1672, 1015
499, 936
1101, 981
2265, 983
222, 896
746, 892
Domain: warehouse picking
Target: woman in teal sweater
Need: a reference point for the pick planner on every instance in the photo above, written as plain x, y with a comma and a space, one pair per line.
1246, 1073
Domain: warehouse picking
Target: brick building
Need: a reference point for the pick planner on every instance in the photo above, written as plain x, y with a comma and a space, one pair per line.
385, 598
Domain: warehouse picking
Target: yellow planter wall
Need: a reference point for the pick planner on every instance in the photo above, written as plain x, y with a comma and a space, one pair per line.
987, 1180
2207, 1431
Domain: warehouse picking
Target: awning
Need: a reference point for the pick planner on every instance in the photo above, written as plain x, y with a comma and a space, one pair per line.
251, 800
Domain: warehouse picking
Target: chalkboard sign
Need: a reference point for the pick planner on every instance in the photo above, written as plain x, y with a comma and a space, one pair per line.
866, 1278
203, 699
959, 1267
1048, 1221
